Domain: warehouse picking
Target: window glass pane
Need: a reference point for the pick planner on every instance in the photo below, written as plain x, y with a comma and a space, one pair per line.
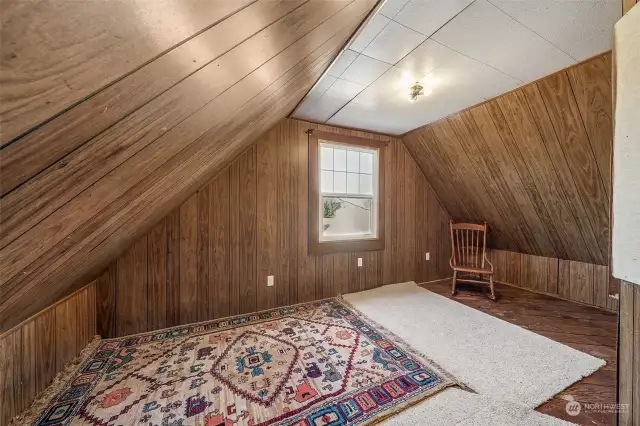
326, 158
340, 182
366, 184
366, 162
346, 216
326, 181
339, 160
353, 161
352, 183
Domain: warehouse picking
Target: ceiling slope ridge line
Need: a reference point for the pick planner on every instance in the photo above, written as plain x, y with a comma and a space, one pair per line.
57, 201
344, 47
60, 271
89, 96
478, 61
84, 140
401, 59
510, 91
532, 30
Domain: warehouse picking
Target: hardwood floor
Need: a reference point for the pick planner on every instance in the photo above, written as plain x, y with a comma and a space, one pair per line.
584, 328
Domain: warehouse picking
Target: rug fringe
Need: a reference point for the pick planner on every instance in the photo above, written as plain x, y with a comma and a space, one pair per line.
408, 404
31, 414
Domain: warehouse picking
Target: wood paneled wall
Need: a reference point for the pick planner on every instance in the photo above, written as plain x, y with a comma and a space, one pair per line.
210, 258
628, 358
131, 115
569, 279
534, 163
35, 351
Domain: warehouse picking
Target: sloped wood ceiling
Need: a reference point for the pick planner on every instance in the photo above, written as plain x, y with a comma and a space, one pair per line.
534, 163
108, 126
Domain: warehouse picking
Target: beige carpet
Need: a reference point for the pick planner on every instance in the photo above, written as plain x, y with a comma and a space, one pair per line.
512, 367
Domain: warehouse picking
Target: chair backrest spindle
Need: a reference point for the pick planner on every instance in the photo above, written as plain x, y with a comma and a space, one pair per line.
468, 244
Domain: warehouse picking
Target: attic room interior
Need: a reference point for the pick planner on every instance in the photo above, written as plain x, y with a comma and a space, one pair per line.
319, 212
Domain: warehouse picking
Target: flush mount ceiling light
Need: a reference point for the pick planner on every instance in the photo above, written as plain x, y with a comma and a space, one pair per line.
416, 90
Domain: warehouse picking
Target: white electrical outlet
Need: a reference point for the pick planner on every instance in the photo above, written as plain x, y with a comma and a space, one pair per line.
270, 281
427, 256
359, 262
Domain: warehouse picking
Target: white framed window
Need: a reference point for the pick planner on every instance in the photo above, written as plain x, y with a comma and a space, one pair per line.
346, 193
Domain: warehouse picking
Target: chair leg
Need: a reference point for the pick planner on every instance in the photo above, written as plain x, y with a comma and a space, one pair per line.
453, 285
493, 294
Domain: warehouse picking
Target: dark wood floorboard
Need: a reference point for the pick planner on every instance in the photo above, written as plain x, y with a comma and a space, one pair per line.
584, 328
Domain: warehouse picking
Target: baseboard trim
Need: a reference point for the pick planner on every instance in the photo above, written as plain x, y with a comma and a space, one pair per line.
554, 295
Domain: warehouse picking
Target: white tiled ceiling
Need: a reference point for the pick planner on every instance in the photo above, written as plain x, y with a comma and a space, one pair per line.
462, 51
393, 43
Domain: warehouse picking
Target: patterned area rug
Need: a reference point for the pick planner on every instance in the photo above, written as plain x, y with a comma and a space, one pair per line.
320, 363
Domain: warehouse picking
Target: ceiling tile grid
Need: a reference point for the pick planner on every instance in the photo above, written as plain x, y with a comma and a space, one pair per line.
462, 51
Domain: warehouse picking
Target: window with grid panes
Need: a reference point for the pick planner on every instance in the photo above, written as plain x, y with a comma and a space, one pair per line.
347, 189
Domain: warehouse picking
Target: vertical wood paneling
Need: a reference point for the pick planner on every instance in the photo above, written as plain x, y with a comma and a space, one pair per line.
391, 236
157, 270
581, 287
534, 163
189, 260
247, 237
267, 217
586, 283
172, 222
628, 349
131, 290
286, 212
106, 286
203, 254
35, 351
306, 264
45, 348
10, 364
250, 221
219, 286
66, 345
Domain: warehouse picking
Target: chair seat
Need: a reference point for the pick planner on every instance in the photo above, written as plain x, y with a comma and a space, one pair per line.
473, 270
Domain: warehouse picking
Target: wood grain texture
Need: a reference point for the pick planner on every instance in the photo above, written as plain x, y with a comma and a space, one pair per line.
51, 62
35, 351
131, 289
257, 218
628, 350
534, 163
581, 282
71, 215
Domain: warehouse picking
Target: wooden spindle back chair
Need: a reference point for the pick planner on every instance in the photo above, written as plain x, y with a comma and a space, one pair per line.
469, 254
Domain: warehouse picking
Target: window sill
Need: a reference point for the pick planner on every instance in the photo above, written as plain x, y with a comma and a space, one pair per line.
345, 246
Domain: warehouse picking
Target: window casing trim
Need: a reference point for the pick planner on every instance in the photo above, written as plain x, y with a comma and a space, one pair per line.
324, 245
